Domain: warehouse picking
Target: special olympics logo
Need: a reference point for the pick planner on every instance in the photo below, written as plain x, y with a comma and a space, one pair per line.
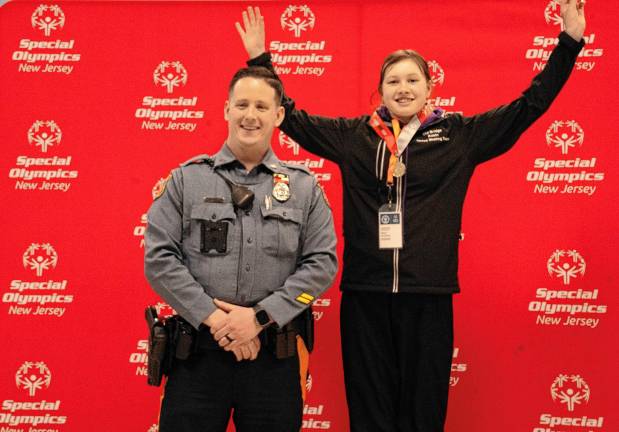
297, 19
565, 135
566, 265
552, 13
47, 18
39, 257
436, 72
44, 134
33, 376
170, 75
309, 382
571, 390
288, 143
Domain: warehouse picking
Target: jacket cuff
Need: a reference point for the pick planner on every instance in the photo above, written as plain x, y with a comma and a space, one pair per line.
262, 60
278, 309
566, 40
198, 313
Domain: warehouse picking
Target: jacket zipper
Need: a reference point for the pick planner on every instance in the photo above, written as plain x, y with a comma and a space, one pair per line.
396, 252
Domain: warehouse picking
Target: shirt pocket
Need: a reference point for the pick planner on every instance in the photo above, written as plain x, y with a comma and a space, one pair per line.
212, 228
281, 230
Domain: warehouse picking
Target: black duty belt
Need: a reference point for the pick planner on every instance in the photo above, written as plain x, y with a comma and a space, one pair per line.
280, 341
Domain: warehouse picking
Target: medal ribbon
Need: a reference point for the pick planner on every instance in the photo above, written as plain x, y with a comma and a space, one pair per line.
390, 139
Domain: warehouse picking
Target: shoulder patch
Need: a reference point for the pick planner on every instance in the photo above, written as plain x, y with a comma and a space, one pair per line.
160, 186
200, 159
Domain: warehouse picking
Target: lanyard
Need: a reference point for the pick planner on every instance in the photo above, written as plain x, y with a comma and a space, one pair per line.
397, 141
390, 139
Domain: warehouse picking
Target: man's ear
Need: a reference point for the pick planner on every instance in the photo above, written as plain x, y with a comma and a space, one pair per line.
226, 109
281, 113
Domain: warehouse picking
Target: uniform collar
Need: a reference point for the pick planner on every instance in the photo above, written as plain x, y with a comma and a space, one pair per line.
225, 156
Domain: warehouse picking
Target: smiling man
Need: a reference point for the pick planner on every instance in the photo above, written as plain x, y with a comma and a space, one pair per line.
240, 245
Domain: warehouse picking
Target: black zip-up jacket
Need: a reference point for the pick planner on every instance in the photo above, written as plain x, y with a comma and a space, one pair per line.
440, 161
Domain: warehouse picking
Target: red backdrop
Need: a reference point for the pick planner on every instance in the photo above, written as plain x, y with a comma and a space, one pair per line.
101, 99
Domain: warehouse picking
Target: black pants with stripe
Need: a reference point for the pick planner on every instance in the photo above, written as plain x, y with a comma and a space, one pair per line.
397, 351
202, 391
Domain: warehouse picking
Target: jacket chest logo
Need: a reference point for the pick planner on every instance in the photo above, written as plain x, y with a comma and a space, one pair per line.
432, 136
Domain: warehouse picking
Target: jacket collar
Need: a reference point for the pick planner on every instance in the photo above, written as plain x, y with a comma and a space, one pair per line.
225, 156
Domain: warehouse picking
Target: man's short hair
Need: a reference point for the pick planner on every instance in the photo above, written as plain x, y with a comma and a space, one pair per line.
261, 73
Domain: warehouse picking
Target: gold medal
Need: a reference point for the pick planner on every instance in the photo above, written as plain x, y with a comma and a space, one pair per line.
399, 170
281, 192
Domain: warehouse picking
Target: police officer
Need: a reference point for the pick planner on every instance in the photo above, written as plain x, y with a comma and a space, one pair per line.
237, 243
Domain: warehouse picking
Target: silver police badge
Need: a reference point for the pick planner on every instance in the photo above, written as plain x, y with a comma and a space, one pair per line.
281, 192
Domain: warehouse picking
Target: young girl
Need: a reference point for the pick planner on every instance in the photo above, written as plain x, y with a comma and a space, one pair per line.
405, 168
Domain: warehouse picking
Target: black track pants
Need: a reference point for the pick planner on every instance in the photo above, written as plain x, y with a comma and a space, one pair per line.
397, 351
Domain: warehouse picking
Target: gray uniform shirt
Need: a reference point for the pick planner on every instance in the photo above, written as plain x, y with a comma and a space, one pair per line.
280, 255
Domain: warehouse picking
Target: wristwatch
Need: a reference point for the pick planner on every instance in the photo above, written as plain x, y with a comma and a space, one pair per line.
262, 317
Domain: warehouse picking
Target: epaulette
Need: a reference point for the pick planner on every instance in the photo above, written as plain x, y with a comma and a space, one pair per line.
203, 158
297, 167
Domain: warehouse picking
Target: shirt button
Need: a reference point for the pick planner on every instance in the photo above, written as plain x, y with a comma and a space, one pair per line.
250, 240
247, 267
214, 216
284, 213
